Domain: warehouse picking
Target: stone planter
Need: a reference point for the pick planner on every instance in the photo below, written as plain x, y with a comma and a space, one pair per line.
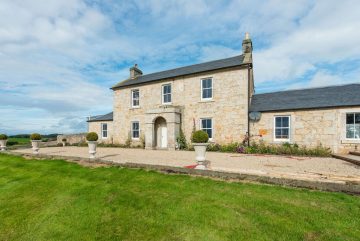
3, 145
35, 146
92, 148
200, 151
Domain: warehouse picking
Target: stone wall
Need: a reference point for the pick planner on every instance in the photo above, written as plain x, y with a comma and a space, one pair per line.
96, 127
310, 128
228, 108
72, 138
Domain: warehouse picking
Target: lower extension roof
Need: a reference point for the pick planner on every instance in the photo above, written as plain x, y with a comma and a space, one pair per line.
324, 97
107, 117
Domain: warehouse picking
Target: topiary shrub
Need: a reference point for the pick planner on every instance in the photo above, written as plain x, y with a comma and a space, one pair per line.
3, 137
200, 137
92, 136
35, 137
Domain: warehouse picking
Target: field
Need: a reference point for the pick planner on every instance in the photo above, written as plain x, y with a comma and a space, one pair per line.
57, 200
18, 141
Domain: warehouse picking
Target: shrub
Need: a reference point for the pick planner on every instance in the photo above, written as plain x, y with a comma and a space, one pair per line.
12, 143
142, 141
3, 137
92, 136
35, 137
63, 139
213, 147
200, 137
45, 139
181, 140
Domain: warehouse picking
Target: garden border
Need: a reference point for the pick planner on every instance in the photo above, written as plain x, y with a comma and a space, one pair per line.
350, 187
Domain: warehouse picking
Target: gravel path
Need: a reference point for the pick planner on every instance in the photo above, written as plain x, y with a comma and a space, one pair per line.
313, 168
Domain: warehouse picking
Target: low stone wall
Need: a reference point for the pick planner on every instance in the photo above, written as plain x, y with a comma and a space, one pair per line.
72, 138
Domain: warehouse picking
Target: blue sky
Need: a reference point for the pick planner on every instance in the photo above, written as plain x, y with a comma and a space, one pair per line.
58, 58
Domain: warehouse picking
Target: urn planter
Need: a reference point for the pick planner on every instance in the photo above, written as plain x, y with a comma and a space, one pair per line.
3, 145
35, 146
200, 152
92, 148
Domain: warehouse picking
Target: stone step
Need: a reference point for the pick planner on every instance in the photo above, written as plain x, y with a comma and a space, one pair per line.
349, 158
355, 153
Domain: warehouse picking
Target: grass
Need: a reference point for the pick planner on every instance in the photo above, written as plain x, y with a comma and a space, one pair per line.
18, 141
57, 200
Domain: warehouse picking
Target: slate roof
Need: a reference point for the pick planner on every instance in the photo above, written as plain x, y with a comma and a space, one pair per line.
107, 117
324, 97
192, 69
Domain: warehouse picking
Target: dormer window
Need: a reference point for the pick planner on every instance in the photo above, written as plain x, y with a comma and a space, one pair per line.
206, 89
135, 98
166, 94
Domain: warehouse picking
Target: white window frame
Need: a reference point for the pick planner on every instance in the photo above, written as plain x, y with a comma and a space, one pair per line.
212, 88
132, 98
132, 130
102, 131
281, 139
212, 126
163, 95
351, 139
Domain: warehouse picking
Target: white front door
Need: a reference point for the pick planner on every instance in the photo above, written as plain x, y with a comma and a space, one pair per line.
163, 136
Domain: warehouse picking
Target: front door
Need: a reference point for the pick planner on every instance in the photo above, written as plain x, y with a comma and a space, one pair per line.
164, 136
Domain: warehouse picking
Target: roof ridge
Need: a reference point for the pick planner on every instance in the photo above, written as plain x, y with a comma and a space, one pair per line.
192, 65
309, 88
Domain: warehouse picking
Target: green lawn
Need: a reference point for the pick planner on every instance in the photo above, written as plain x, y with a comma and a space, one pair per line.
19, 141
57, 200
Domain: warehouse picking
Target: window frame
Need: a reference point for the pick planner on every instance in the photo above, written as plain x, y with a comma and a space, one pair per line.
132, 98
212, 88
132, 130
348, 113
163, 95
102, 131
212, 126
289, 127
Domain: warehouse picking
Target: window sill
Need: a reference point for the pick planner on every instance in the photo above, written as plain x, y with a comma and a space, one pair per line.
206, 101
134, 107
278, 141
350, 141
135, 139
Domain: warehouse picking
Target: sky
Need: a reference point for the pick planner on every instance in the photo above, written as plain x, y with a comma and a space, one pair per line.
58, 58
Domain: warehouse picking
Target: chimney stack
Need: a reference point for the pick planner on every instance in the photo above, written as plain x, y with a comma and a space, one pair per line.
135, 72
247, 48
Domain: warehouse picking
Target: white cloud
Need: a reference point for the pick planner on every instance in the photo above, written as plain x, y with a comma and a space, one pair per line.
59, 57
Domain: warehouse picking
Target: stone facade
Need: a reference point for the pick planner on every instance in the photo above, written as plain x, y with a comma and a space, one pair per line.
310, 128
72, 138
228, 108
95, 126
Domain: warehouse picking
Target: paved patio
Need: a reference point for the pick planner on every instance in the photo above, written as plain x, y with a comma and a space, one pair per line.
302, 168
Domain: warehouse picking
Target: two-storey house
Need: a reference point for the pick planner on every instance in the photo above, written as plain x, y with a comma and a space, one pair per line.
217, 97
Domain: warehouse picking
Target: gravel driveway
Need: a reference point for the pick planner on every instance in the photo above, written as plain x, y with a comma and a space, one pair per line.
304, 168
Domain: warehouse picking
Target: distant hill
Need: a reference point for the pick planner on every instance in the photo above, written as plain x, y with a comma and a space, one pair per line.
50, 136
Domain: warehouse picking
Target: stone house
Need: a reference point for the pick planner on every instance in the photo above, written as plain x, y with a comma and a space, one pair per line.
218, 97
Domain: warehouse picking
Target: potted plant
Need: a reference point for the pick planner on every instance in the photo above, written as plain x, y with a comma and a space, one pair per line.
35, 142
92, 138
199, 141
64, 141
3, 140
